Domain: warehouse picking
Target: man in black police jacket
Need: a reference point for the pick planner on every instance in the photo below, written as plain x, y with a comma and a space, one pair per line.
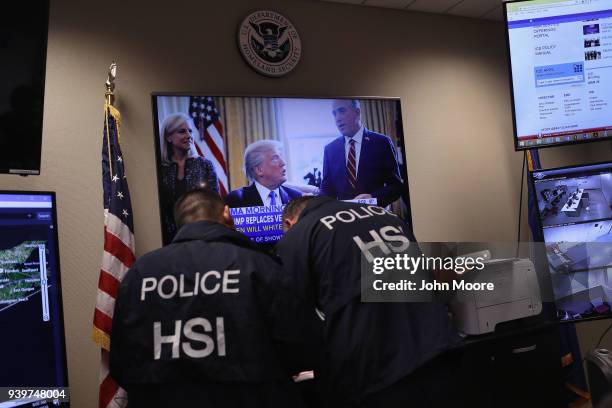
374, 354
194, 321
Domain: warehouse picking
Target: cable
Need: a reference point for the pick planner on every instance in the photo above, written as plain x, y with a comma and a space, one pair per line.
518, 238
603, 335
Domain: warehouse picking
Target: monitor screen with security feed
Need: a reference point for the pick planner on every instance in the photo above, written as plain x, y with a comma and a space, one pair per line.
575, 213
560, 54
259, 153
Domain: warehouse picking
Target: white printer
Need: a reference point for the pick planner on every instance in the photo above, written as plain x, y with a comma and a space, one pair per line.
516, 295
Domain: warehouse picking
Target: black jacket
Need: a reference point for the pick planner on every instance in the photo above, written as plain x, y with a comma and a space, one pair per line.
223, 329
368, 346
377, 174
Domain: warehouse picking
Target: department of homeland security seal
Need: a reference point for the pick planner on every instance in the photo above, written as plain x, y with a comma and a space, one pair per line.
269, 43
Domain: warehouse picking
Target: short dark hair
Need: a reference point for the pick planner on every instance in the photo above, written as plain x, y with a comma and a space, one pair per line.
295, 207
198, 205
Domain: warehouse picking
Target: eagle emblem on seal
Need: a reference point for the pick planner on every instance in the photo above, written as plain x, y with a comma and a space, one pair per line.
270, 41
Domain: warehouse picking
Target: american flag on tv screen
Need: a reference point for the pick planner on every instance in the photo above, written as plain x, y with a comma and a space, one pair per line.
118, 255
210, 144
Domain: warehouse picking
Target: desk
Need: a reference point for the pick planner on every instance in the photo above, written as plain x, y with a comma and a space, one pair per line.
517, 368
573, 207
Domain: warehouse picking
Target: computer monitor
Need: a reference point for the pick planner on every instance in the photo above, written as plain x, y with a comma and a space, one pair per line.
285, 146
561, 75
575, 216
31, 316
23, 52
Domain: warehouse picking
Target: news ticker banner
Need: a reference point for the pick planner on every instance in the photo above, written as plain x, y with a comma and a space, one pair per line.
264, 224
261, 224
486, 273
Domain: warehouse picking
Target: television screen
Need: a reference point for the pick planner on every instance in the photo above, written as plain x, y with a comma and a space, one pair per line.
575, 212
23, 50
261, 152
560, 56
31, 317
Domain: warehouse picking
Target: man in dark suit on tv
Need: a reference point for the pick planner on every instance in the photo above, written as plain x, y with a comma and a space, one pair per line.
360, 163
266, 170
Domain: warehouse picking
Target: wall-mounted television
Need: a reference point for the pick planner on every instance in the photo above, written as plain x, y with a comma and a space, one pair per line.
23, 50
575, 215
560, 55
31, 314
261, 152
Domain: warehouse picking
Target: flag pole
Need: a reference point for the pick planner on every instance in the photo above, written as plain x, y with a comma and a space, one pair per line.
110, 100
119, 253
110, 84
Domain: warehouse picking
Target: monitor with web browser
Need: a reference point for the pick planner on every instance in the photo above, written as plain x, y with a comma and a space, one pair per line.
560, 71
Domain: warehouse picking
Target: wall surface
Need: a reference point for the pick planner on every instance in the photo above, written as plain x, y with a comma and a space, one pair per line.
451, 74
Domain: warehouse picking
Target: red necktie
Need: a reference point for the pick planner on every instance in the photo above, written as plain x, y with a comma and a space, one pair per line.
351, 165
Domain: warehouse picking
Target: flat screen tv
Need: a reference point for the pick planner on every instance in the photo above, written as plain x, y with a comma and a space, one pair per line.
31, 316
560, 55
23, 50
575, 215
262, 152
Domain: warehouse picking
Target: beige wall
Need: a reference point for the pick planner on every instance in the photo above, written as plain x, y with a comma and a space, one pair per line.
450, 73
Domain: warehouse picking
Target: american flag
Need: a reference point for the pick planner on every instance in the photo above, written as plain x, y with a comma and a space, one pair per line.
118, 254
210, 144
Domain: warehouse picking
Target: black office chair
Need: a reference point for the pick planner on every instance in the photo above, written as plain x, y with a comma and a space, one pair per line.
599, 369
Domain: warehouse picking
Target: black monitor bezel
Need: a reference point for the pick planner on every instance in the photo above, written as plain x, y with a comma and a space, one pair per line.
45, 4
541, 229
64, 359
512, 98
155, 95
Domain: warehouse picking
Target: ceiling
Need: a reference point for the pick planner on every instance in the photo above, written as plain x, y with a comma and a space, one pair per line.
483, 9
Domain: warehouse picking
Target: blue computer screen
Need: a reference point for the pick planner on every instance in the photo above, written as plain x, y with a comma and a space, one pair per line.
31, 321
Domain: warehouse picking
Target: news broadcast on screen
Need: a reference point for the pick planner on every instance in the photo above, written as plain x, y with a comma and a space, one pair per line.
259, 153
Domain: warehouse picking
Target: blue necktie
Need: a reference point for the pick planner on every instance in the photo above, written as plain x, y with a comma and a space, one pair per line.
272, 196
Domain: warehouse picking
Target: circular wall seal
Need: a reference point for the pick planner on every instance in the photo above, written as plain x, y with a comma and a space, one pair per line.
269, 43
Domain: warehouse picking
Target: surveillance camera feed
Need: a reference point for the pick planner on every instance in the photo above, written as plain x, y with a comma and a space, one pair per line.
259, 153
575, 209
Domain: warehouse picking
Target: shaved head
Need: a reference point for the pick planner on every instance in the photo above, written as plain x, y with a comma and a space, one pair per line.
292, 211
201, 205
